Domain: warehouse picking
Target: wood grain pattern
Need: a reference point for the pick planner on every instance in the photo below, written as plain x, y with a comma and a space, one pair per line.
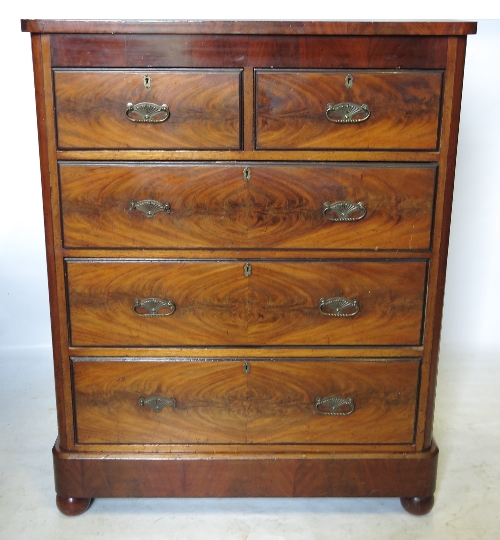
247, 434
291, 110
248, 352
281, 393
210, 402
48, 169
213, 207
311, 156
216, 304
216, 51
253, 27
211, 301
283, 303
451, 120
204, 109
243, 254
389, 474
218, 403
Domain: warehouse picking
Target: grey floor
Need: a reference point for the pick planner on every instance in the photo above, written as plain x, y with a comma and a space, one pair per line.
467, 498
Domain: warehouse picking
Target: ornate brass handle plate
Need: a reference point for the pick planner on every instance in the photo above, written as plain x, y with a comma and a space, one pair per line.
152, 306
347, 113
157, 403
338, 307
147, 112
149, 207
335, 405
344, 211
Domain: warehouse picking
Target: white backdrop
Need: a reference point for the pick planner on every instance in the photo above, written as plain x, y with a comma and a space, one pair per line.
472, 304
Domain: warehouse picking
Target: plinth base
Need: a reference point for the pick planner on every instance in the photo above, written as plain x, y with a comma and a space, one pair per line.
83, 476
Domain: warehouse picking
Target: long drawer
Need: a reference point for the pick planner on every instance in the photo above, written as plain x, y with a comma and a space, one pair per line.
198, 303
169, 109
343, 206
254, 402
348, 109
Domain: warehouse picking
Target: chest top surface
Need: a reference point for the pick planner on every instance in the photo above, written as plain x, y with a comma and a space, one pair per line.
340, 28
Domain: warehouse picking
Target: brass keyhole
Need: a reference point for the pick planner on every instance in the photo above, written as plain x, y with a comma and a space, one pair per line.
147, 81
246, 368
349, 80
246, 173
247, 269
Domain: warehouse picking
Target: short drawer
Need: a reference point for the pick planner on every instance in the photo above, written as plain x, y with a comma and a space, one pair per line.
238, 303
328, 110
317, 206
114, 109
277, 401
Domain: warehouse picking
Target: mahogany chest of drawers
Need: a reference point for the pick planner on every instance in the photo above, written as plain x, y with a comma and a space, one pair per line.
247, 228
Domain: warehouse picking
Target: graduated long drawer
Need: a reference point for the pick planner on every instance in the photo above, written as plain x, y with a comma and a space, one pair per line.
198, 303
247, 205
253, 402
324, 109
202, 109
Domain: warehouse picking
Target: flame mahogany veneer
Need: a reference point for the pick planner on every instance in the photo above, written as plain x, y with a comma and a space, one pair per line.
241, 212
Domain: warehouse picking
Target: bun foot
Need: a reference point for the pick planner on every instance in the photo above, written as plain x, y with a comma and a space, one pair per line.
418, 506
72, 506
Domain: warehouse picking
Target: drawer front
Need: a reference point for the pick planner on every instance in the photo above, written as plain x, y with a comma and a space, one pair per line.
279, 206
215, 303
401, 110
228, 402
203, 109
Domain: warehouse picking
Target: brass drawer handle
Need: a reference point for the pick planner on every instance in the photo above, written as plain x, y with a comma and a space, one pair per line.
334, 405
337, 307
157, 403
146, 112
149, 207
344, 210
152, 306
347, 113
